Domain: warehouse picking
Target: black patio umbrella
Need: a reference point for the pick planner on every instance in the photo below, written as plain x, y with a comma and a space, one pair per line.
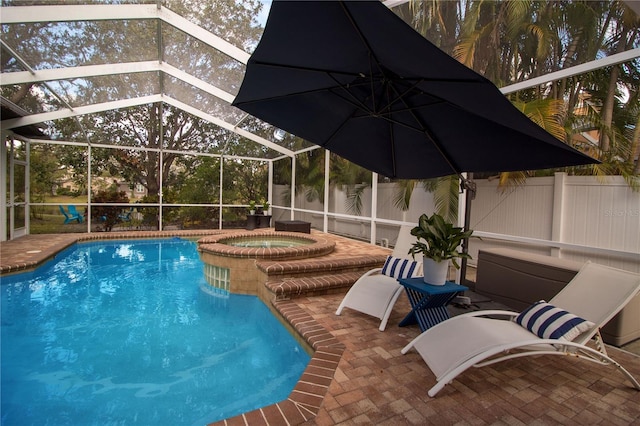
355, 79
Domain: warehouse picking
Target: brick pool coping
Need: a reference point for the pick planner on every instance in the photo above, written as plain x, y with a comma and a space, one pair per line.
218, 244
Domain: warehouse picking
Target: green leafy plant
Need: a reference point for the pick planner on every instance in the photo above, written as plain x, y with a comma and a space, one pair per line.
441, 239
265, 205
252, 205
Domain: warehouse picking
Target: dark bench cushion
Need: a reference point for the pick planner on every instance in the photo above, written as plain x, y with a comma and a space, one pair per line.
293, 226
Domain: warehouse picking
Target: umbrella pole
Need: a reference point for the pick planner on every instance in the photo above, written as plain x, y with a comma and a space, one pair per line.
469, 188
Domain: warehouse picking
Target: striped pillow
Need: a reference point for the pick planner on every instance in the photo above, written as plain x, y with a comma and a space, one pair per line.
549, 322
397, 267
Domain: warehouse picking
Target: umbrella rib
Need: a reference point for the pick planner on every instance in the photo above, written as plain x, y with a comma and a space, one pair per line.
360, 34
400, 97
305, 68
354, 100
362, 107
425, 129
373, 59
358, 74
393, 150
351, 99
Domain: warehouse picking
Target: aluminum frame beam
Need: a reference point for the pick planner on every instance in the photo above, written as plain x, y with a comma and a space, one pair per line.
617, 58
143, 100
63, 13
85, 71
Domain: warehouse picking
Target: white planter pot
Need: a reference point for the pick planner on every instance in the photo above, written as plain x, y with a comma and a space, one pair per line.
252, 212
435, 273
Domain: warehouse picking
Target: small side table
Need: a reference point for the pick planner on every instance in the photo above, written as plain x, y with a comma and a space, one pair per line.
258, 221
264, 221
252, 222
428, 302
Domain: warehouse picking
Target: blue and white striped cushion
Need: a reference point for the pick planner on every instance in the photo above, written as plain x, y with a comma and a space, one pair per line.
549, 322
397, 267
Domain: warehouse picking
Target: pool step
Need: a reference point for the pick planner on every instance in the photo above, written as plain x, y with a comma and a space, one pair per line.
314, 266
309, 277
288, 288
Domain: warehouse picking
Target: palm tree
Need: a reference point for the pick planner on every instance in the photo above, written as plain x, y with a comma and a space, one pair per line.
509, 41
445, 192
482, 29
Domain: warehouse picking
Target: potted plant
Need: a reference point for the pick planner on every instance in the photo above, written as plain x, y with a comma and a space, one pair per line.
252, 207
438, 242
265, 207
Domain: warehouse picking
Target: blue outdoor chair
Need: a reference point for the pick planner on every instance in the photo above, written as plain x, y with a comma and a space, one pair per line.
76, 214
71, 215
126, 216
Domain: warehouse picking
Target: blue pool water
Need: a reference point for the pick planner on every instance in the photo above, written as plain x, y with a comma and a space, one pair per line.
126, 332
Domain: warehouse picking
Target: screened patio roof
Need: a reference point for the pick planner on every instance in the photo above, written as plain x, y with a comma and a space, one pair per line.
101, 57
83, 57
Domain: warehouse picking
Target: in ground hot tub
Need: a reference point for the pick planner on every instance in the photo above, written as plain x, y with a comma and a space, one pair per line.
231, 258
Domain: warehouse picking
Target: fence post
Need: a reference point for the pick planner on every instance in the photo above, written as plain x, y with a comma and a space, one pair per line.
557, 217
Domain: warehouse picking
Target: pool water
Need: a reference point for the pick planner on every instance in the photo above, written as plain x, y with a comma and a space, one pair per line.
128, 332
257, 242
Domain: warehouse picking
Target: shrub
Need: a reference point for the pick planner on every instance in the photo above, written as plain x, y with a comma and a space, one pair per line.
108, 216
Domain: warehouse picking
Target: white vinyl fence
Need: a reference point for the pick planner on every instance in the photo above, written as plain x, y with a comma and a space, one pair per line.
574, 217
586, 218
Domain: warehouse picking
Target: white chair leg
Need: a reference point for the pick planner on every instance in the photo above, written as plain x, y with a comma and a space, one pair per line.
389, 309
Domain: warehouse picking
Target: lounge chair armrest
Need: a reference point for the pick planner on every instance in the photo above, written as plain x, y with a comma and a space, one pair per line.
491, 312
371, 272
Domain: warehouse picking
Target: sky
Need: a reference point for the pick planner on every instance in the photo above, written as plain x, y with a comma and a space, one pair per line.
262, 18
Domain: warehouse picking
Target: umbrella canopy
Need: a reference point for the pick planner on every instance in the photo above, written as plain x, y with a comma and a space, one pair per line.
355, 79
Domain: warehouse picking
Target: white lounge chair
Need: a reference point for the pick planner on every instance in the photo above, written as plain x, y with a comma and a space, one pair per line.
595, 294
375, 293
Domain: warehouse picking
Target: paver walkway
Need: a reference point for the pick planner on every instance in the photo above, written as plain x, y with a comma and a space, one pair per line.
375, 384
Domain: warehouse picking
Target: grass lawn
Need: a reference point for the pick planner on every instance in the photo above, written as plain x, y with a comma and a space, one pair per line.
54, 224
66, 199
49, 219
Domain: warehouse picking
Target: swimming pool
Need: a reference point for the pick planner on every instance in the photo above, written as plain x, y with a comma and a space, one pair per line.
129, 332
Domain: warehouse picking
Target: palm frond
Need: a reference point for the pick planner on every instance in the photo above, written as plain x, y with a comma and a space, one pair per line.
546, 113
511, 180
402, 194
354, 197
465, 49
445, 197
